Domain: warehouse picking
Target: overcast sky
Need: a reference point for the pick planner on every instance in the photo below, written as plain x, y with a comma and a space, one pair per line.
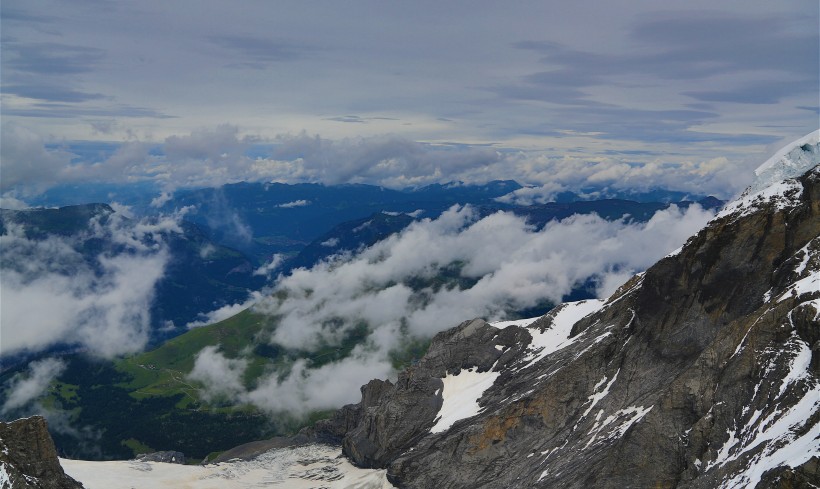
630, 82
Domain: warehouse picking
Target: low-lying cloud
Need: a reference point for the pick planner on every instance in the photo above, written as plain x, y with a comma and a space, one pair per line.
25, 388
54, 291
501, 265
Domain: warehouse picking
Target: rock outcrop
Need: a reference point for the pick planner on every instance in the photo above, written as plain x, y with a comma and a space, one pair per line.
702, 372
28, 458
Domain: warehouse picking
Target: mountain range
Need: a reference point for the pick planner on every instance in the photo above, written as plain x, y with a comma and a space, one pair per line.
701, 371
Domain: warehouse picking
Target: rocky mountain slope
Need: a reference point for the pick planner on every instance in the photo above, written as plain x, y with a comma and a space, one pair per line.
704, 371
28, 458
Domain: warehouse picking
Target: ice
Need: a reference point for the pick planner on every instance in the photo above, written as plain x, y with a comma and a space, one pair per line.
791, 161
460, 397
303, 467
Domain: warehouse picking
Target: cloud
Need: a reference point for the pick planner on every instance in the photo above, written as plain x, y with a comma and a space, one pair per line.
24, 388
53, 292
330, 386
502, 265
218, 156
510, 266
295, 203
220, 376
225, 312
26, 162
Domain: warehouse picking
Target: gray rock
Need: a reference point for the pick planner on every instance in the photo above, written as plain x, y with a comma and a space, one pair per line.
168, 457
28, 457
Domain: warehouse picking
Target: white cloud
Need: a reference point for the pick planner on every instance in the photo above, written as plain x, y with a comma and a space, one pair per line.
52, 293
24, 388
268, 268
513, 266
332, 385
220, 376
225, 312
295, 203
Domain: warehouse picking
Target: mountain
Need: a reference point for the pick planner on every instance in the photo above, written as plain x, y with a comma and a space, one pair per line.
263, 219
704, 371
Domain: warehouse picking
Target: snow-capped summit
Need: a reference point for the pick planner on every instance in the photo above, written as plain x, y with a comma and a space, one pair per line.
791, 161
775, 181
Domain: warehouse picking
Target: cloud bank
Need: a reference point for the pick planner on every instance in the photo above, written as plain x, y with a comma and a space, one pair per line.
55, 292
221, 155
498, 264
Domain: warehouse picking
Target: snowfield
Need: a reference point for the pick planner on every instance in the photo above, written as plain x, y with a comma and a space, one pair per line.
308, 466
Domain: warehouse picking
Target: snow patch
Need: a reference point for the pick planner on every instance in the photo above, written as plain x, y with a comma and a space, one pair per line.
4, 476
777, 431
460, 397
629, 417
557, 336
782, 195
523, 323
597, 396
799, 366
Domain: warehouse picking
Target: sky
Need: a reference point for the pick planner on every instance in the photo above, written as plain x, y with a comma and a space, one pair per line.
556, 95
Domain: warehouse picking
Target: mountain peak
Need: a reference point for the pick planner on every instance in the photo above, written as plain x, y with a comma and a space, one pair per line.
791, 161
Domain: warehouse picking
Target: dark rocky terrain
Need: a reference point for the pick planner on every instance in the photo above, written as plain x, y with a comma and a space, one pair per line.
28, 459
702, 372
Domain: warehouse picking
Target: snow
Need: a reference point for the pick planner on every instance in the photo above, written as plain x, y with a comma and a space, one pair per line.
523, 323
799, 367
774, 179
4, 476
791, 161
782, 195
632, 415
806, 285
801, 267
597, 396
460, 397
557, 336
302, 467
782, 446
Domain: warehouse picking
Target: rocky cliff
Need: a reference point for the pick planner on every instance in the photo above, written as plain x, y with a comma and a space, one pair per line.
28, 459
704, 371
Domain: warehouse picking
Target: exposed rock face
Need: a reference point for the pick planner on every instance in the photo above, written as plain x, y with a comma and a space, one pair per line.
702, 372
167, 456
28, 458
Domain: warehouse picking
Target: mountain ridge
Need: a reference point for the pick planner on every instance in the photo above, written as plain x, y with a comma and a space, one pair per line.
702, 371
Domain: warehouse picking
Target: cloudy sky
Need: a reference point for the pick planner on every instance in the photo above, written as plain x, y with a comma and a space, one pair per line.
402, 93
